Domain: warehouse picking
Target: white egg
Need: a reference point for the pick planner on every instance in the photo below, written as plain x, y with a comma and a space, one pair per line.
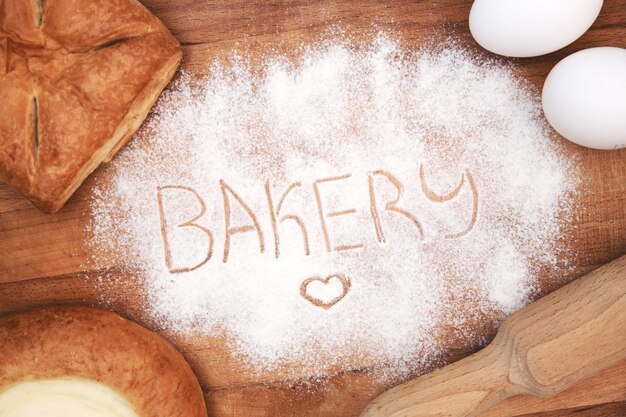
524, 28
584, 98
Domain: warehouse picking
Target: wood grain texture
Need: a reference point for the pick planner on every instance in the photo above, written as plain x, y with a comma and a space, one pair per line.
43, 257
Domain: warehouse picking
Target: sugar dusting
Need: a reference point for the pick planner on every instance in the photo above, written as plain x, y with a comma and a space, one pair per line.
428, 180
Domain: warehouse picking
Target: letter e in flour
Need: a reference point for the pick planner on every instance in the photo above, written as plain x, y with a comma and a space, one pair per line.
323, 215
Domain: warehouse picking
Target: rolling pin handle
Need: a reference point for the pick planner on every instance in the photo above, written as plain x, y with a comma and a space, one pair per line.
541, 350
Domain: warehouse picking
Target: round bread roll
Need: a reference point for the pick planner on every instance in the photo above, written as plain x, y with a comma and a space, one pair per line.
93, 362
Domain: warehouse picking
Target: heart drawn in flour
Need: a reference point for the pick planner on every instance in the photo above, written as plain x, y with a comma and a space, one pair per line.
325, 292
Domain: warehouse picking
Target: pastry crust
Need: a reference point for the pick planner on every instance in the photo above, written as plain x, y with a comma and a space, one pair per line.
94, 344
77, 78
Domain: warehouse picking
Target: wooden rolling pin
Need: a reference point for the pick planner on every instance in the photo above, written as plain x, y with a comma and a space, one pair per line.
540, 350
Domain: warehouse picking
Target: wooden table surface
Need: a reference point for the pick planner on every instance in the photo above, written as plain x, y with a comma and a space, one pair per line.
42, 257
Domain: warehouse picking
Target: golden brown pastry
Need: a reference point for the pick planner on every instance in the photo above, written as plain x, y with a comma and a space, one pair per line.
69, 344
77, 78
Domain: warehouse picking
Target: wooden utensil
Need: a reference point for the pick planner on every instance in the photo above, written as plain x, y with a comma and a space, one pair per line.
540, 350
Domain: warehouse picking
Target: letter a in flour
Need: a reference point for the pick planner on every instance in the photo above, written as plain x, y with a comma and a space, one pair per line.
231, 230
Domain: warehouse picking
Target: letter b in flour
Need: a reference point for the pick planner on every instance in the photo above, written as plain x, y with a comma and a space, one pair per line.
197, 231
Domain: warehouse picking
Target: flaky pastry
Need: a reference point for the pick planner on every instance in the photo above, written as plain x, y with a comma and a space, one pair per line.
77, 78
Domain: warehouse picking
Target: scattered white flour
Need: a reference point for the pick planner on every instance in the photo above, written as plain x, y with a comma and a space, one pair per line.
484, 187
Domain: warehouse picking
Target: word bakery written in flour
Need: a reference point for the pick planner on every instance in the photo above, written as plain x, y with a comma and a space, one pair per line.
380, 211
382, 280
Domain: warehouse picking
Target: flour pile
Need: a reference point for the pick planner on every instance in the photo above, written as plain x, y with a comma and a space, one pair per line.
344, 208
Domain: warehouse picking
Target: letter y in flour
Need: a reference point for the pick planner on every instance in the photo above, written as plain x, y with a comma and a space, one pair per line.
466, 177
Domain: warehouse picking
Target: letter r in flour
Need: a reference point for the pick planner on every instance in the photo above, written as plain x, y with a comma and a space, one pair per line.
188, 224
390, 205
323, 215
